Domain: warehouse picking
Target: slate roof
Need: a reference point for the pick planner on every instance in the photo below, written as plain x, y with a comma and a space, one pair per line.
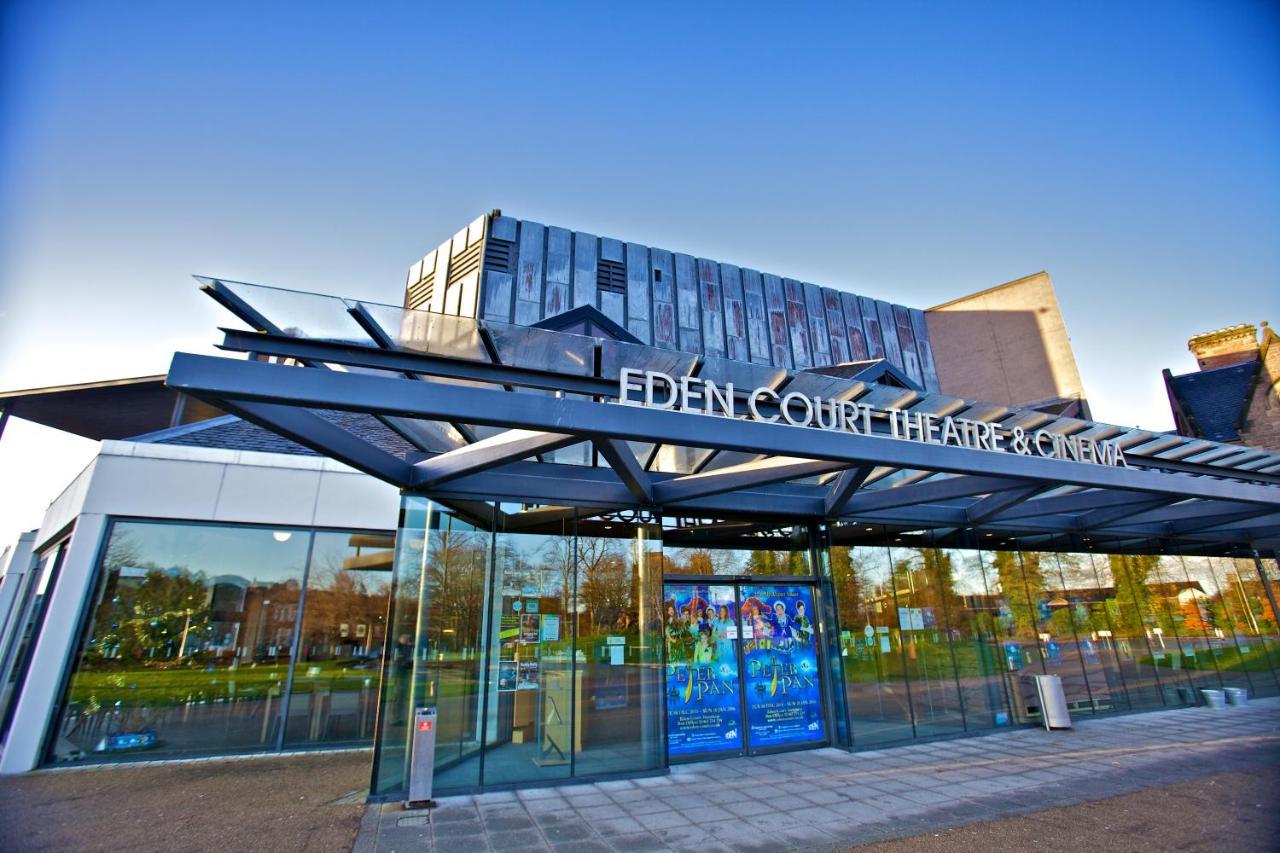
232, 433
1215, 399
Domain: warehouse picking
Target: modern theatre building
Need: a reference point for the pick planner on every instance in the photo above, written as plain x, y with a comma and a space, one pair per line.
609, 508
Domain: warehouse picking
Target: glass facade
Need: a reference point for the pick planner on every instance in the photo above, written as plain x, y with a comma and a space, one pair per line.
556, 644
205, 638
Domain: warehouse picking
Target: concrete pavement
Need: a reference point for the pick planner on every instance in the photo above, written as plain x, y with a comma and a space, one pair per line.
831, 799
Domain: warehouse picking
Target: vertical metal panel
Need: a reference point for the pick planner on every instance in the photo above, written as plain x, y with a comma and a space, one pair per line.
712, 307
559, 252
688, 310
584, 269
638, 292
664, 298
925, 349
415, 274
907, 339
757, 317
611, 249
853, 322
529, 274
775, 303
614, 306
497, 296
819, 339
735, 315
892, 351
503, 228
436, 303
871, 325
835, 326
797, 324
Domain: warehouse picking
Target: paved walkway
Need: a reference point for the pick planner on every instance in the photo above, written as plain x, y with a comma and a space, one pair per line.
830, 799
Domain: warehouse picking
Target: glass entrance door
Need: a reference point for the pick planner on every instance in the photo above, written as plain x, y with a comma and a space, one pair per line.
742, 674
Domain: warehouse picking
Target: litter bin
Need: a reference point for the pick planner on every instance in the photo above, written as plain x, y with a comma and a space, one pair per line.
1214, 698
1053, 702
422, 760
1237, 696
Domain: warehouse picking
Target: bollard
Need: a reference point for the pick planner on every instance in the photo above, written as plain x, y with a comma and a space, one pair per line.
422, 761
1237, 696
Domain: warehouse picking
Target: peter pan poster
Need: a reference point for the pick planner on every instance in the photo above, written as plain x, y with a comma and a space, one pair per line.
784, 701
702, 669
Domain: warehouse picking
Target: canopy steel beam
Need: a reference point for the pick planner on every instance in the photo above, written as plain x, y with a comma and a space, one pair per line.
846, 483
1101, 518
488, 453
624, 463
311, 430
774, 469
209, 377
927, 493
992, 505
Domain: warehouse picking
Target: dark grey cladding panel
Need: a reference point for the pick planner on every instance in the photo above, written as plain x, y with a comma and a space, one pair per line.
712, 307
888, 329
925, 348
871, 325
835, 326
757, 317
611, 250
638, 273
735, 313
907, 340
853, 324
819, 338
688, 308
584, 269
529, 273
664, 298
614, 306
559, 266
503, 228
775, 303
797, 324
497, 296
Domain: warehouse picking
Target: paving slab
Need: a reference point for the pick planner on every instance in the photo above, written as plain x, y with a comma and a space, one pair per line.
831, 799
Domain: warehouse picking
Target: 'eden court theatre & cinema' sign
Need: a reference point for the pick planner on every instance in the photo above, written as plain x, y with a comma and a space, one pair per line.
653, 389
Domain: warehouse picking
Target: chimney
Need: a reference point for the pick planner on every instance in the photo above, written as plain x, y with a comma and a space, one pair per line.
1222, 347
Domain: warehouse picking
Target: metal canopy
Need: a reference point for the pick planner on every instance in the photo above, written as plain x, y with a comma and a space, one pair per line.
529, 416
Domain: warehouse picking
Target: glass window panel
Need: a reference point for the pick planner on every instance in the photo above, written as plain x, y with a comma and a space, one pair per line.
1225, 629
1181, 621
1140, 599
434, 654
534, 692
619, 653
876, 691
1071, 619
188, 645
922, 580
1018, 630
1255, 617
334, 693
971, 616
301, 314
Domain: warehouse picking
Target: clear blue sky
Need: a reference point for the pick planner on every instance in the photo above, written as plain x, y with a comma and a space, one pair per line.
914, 152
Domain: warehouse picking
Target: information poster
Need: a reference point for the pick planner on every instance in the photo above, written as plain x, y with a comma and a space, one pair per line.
702, 669
781, 681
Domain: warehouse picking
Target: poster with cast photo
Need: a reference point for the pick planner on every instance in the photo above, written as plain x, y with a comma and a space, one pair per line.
700, 632
529, 628
781, 678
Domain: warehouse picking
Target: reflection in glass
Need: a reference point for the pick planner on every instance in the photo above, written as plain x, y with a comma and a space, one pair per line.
876, 691
618, 644
735, 548
334, 688
922, 581
189, 644
435, 644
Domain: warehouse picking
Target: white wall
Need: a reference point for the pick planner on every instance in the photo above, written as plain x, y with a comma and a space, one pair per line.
177, 483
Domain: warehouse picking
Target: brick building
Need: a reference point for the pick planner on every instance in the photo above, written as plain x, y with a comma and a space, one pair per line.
1235, 395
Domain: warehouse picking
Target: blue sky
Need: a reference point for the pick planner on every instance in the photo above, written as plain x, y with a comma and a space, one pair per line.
914, 152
